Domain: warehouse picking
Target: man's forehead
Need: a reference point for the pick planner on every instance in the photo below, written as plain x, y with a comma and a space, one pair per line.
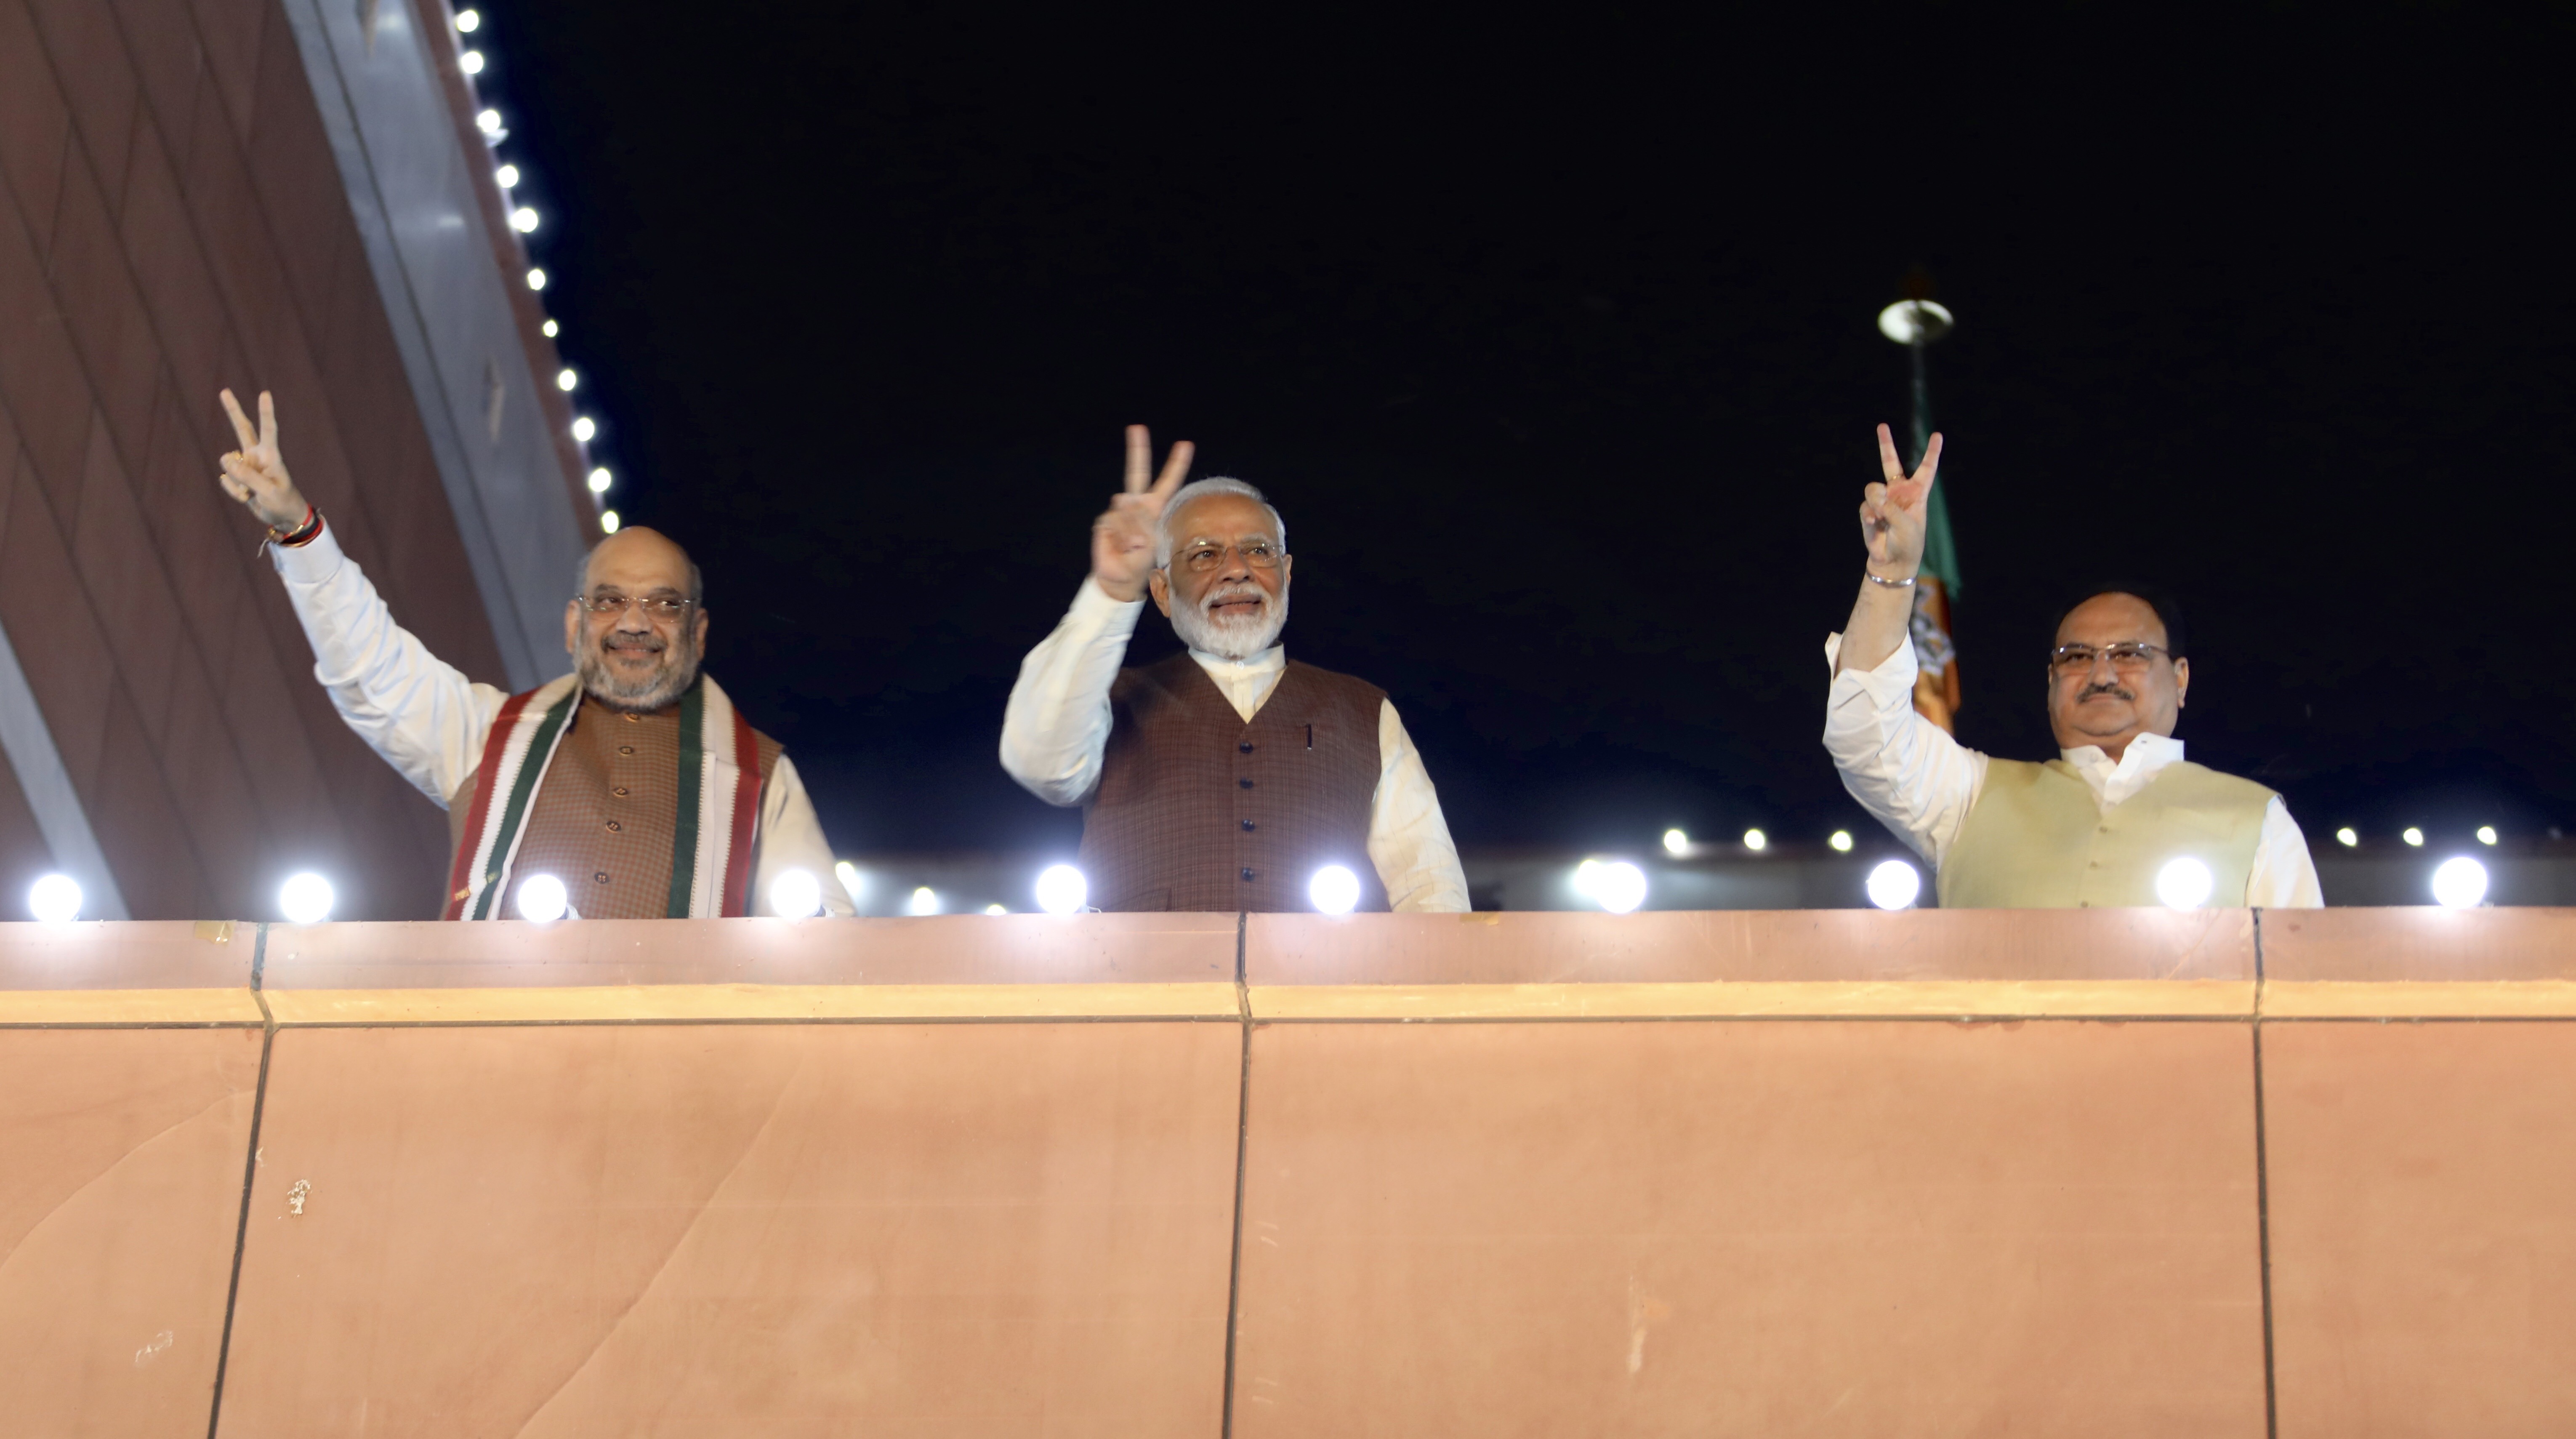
642, 562
1211, 516
2110, 619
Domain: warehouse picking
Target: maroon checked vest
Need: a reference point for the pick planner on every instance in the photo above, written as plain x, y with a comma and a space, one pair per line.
1197, 810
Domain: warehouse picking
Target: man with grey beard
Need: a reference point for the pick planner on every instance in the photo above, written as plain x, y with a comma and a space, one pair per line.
629, 789
1229, 777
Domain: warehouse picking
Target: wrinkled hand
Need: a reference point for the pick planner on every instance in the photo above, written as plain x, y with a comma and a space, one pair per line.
1891, 513
254, 474
1122, 539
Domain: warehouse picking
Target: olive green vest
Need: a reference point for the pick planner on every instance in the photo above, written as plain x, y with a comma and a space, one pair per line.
2037, 839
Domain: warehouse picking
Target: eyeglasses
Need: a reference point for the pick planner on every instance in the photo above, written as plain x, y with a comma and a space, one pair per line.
1204, 555
655, 607
2129, 655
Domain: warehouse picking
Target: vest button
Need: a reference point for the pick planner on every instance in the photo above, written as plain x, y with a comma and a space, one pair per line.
626, 749
614, 826
620, 791
1247, 874
1247, 824
1246, 746
602, 876
1247, 784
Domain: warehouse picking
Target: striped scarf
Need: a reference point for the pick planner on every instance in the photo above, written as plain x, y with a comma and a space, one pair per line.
719, 795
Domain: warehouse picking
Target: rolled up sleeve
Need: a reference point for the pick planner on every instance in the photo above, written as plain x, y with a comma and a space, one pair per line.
1905, 770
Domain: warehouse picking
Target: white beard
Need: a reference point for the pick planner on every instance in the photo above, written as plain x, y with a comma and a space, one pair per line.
1236, 637
670, 680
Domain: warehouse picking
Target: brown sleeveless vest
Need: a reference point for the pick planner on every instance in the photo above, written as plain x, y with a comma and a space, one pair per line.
1198, 811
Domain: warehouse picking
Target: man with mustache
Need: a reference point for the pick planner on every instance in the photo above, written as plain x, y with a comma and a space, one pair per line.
633, 782
2096, 825
1228, 777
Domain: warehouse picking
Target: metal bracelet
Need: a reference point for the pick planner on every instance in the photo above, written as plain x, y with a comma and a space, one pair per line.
1906, 583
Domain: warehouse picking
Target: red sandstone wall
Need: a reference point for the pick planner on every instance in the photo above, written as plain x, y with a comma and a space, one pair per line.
2101, 1173
171, 221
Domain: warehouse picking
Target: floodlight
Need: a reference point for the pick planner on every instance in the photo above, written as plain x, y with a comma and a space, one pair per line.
1841, 841
1895, 885
542, 898
1618, 886
1756, 841
2460, 883
1676, 842
795, 895
1334, 890
55, 899
2183, 883
925, 900
1061, 889
305, 898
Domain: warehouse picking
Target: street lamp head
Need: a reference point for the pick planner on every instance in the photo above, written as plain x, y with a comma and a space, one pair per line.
1914, 322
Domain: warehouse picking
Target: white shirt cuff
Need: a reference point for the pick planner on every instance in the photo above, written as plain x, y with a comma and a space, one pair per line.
1098, 613
312, 562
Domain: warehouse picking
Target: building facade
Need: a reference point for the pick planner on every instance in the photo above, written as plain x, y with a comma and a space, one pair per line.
288, 195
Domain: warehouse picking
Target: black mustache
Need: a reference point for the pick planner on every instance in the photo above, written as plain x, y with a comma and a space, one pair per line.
2091, 690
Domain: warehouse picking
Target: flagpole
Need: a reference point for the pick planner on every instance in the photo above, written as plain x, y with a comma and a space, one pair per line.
1916, 322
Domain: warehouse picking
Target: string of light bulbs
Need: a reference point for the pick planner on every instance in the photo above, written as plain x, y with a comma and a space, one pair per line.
524, 219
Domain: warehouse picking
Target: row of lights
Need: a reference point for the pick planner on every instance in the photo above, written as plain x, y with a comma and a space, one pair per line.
2350, 838
1678, 842
524, 219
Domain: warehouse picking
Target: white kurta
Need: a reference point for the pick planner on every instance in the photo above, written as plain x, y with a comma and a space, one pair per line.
429, 721
1919, 782
1056, 728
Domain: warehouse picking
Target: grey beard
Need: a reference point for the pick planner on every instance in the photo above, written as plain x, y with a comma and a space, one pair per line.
1235, 639
678, 671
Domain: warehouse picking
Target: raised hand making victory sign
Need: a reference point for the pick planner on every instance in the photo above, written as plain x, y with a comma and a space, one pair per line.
1891, 525
256, 475
1122, 539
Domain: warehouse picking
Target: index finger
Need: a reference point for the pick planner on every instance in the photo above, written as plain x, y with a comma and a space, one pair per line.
1140, 458
1887, 456
1175, 470
241, 423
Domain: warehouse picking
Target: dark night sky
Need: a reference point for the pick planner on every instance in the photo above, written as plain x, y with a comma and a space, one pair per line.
1552, 336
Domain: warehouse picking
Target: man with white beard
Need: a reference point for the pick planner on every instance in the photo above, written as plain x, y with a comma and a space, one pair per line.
1229, 777
630, 789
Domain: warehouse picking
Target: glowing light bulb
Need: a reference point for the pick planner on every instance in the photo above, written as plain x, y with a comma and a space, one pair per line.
523, 220
995, 909
466, 20
508, 175
608, 522
2460, 883
1895, 885
599, 481
925, 900
1676, 842
2346, 837
565, 380
543, 899
1618, 886
795, 895
489, 122
1841, 841
471, 62
1061, 889
1334, 890
583, 428
2183, 884
2486, 834
2413, 836
536, 279
1756, 841
55, 899
305, 898
549, 328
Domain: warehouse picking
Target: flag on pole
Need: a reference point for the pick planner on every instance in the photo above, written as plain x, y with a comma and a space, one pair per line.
1936, 658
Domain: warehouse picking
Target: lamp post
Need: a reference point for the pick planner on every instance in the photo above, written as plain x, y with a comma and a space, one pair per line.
1916, 322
